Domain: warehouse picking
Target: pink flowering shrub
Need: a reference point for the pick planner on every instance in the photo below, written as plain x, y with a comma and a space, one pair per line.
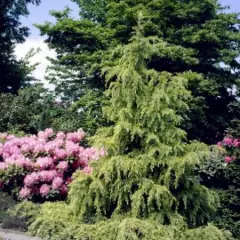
40, 167
231, 147
221, 173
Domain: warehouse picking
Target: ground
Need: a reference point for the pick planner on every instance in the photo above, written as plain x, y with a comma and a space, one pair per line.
12, 235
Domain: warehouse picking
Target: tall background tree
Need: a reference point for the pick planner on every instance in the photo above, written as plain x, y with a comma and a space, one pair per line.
146, 188
25, 105
13, 73
200, 27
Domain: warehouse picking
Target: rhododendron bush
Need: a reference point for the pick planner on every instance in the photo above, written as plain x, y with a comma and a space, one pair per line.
40, 167
221, 172
231, 145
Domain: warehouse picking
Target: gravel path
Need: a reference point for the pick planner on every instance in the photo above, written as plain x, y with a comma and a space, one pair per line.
12, 235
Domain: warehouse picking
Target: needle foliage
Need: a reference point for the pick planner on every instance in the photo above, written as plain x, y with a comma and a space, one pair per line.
146, 187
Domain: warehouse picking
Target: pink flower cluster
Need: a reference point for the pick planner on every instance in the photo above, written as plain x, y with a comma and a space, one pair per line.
229, 159
231, 144
48, 160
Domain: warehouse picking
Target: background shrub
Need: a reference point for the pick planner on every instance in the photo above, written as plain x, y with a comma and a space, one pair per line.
221, 172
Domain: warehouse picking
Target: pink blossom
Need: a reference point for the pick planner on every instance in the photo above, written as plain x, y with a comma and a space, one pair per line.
42, 135
10, 137
75, 136
81, 150
58, 142
228, 141
63, 165
39, 148
15, 150
219, 144
72, 148
10, 161
81, 133
95, 157
45, 134
25, 192
21, 162
61, 135
57, 183
44, 162
2, 165
83, 161
228, 159
88, 170
49, 147
31, 179
42, 140
49, 132
44, 190
60, 174
91, 153
47, 176
236, 143
26, 148
60, 153
28, 163
6, 154
103, 152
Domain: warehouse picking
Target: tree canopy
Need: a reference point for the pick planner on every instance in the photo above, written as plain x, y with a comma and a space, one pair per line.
146, 187
202, 28
13, 73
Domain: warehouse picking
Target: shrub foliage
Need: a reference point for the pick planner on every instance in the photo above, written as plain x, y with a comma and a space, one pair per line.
221, 173
146, 187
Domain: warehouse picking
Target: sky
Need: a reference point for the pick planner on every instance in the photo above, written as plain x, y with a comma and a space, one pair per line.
40, 14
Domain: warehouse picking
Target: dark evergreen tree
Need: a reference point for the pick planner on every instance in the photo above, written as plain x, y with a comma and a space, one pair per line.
13, 74
201, 27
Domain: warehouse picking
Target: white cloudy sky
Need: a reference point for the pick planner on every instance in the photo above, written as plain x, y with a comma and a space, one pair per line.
22, 49
40, 14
